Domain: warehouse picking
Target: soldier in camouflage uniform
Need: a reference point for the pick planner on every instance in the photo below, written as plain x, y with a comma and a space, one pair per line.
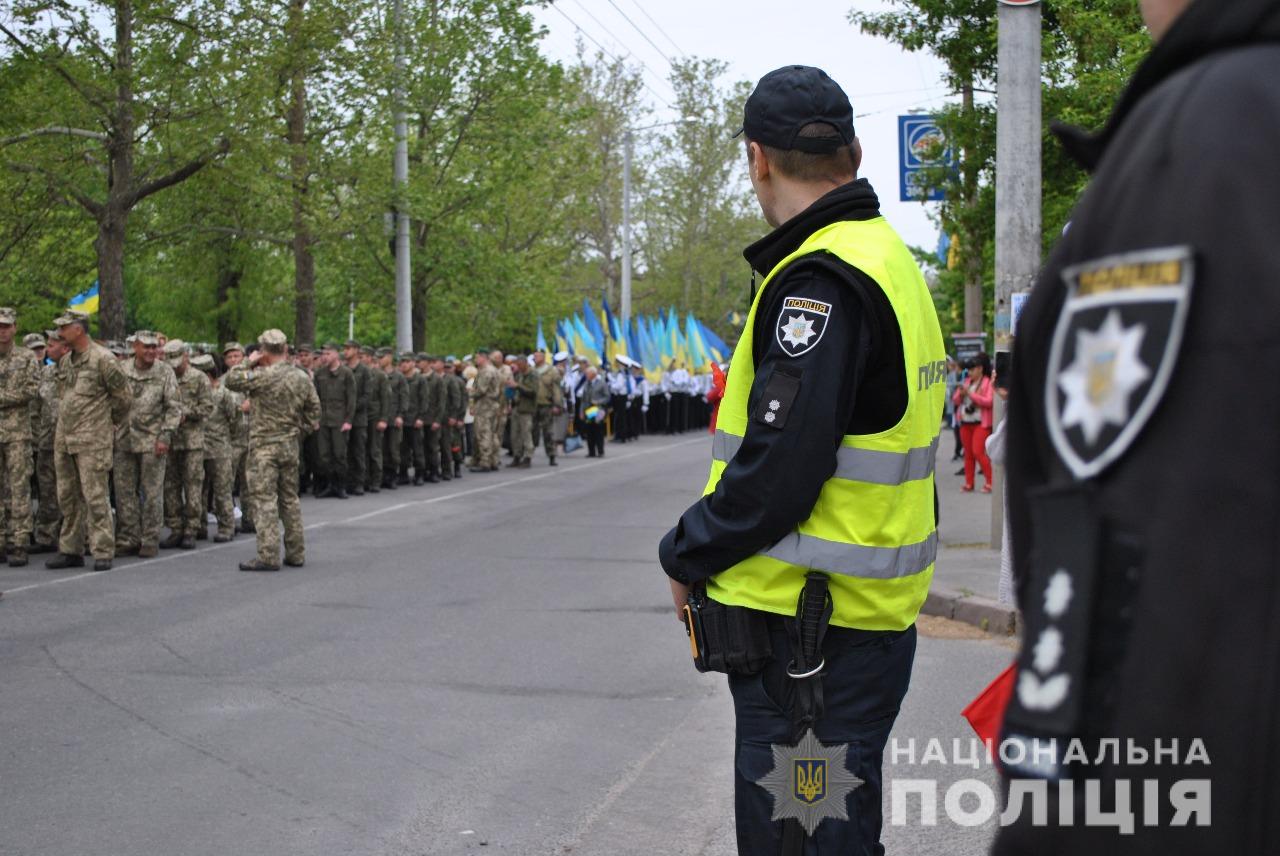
526, 404
219, 474
19, 386
142, 447
336, 387
550, 404
400, 403
486, 400
284, 403
358, 437
432, 418
48, 515
309, 448
232, 356
457, 412
184, 473
380, 416
93, 396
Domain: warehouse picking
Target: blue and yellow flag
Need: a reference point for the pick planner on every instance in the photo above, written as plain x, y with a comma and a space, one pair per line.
86, 301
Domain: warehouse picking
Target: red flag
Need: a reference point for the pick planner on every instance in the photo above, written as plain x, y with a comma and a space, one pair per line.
716, 393
986, 712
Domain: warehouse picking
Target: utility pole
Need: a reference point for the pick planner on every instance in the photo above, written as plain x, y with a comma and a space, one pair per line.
1018, 214
626, 227
404, 296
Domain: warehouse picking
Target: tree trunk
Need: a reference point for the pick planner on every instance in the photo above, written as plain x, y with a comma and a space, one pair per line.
113, 218
229, 277
110, 250
418, 324
304, 267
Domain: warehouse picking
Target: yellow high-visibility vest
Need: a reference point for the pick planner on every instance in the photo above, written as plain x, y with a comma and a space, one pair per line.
872, 529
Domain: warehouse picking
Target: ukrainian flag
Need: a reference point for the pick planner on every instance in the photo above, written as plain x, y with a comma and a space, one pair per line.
86, 301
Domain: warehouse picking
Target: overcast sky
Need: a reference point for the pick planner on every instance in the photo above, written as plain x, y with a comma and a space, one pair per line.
757, 36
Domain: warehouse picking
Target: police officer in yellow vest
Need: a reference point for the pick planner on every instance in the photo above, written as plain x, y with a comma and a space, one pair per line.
822, 481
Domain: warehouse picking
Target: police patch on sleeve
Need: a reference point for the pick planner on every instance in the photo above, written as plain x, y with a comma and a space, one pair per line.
801, 324
1113, 352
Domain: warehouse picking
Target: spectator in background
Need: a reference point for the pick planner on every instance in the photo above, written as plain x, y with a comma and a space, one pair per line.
973, 400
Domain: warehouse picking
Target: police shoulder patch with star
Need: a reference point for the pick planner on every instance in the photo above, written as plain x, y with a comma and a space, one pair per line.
1113, 352
801, 324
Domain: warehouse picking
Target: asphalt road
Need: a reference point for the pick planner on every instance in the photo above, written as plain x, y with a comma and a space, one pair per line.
489, 665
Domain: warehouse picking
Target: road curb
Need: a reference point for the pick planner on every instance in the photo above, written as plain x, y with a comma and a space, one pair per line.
986, 614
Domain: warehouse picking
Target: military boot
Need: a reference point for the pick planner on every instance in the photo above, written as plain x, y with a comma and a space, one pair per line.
17, 557
188, 542
64, 560
173, 541
202, 534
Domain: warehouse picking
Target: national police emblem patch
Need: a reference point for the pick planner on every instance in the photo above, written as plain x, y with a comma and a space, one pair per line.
1113, 352
809, 782
801, 324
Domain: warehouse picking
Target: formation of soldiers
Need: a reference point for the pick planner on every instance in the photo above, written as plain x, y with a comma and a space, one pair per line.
118, 444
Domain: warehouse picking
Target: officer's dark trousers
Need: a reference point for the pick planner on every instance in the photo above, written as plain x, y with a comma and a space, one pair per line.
865, 679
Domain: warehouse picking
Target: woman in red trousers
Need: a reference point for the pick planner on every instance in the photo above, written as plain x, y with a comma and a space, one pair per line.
973, 407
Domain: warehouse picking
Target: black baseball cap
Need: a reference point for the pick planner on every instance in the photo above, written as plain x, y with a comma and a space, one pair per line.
787, 99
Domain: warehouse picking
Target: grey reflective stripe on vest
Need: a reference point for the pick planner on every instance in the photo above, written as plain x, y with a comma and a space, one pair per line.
878, 467
855, 560
865, 465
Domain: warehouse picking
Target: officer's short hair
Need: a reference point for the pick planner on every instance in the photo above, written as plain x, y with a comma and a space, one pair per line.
807, 166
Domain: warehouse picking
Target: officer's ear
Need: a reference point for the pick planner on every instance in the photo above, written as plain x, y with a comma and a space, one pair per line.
757, 161
855, 151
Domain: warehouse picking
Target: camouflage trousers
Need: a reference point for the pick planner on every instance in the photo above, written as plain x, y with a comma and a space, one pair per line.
15, 466
239, 455
488, 436
392, 439
357, 449
183, 490
522, 435
219, 481
273, 484
544, 431
84, 497
373, 457
48, 515
139, 480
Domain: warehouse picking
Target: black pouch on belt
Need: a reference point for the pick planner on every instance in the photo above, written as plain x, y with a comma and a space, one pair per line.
723, 638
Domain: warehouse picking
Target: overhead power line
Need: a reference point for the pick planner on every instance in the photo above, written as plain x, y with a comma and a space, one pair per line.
658, 26
610, 54
642, 33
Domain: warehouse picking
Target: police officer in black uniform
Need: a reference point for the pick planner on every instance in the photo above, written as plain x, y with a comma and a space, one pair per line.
811, 387
1144, 472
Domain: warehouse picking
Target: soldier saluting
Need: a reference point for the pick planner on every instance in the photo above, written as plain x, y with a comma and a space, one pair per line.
285, 405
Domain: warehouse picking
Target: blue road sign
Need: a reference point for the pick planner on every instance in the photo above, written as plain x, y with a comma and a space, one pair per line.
918, 137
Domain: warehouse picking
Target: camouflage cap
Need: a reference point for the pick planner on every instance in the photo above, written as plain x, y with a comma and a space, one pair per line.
117, 347
304, 348
274, 338
205, 363
329, 346
175, 350
33, 341
367, 350
50, 335
8, 315
385, 352
421, 357
146, 337
71, 317
234, 346
351, 343
406, 356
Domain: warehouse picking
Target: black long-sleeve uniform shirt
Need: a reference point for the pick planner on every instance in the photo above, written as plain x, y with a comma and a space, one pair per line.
852, 381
